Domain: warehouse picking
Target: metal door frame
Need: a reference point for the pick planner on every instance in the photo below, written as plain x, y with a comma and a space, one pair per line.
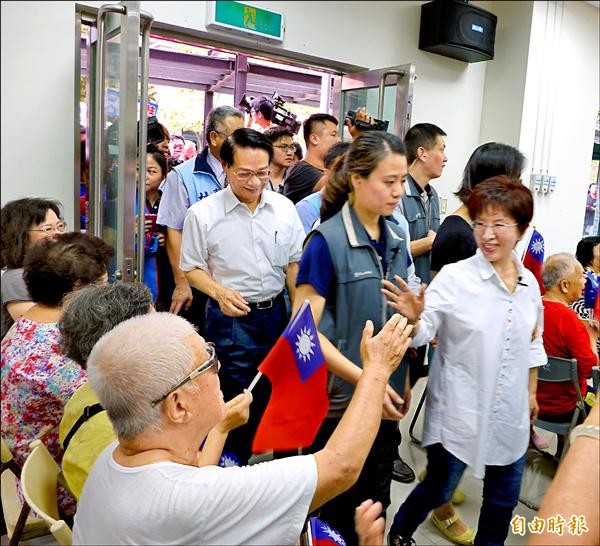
379, 78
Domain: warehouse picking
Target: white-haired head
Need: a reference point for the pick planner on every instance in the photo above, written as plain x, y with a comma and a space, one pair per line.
136, 362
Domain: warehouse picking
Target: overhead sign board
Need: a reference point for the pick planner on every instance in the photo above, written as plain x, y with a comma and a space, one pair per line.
245, 19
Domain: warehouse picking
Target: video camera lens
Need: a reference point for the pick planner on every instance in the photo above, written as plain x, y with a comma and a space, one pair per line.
246, 104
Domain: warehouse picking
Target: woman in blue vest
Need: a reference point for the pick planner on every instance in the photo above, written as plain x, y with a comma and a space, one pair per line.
343, 265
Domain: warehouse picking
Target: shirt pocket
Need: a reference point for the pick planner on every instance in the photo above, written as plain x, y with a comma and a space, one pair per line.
280, 249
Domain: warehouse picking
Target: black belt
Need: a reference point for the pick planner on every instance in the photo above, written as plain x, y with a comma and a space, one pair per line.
266, 304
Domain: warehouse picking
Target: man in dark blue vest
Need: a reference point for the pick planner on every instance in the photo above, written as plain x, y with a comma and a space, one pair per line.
425, 152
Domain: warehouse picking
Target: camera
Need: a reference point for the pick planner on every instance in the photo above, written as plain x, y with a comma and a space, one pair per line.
246, 104
375, 125
155, 131
172, 162
282, 116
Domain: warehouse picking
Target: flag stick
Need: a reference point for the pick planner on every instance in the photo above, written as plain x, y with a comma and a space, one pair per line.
528, 242
254, 381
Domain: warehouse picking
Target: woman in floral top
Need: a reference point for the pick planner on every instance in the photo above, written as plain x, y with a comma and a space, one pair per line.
36, 379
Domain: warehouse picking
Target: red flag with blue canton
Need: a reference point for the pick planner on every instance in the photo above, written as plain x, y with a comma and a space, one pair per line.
298, 374
323, 535
533, 258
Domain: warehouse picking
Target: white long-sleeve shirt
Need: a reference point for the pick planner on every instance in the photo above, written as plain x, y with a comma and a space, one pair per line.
477, 392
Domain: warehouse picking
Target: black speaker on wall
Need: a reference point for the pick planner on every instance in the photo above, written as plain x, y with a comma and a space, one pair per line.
457, 29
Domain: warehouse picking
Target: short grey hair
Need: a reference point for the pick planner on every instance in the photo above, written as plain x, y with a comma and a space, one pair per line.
556, 268
215, 120
136, 362
96, 309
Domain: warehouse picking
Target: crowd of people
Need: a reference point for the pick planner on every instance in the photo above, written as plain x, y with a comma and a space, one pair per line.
140, 390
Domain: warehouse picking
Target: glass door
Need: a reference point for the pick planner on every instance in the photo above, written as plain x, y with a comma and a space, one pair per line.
385, 93
118, 75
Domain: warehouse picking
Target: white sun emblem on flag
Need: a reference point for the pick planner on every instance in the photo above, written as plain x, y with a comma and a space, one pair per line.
337, 538
537, 247
304, 344
227, 461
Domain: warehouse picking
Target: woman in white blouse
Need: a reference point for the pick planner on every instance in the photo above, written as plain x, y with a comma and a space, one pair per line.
481, 395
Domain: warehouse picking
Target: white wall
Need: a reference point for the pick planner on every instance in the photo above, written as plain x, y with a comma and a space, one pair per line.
570, 73
38, 101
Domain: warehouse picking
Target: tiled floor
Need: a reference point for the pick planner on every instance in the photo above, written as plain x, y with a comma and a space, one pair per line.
535, 482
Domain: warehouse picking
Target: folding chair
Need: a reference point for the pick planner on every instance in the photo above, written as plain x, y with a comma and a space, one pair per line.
39, 478
561, 370
19, 526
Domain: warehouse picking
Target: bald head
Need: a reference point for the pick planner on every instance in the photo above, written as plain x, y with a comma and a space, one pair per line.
563, 277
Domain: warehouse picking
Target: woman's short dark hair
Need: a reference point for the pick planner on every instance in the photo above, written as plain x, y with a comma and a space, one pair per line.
55, 267
490, 159
362, 158
507, 194
585, 250
17, 217
244, 138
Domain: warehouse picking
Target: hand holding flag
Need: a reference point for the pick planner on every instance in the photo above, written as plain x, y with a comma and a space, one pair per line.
298, 374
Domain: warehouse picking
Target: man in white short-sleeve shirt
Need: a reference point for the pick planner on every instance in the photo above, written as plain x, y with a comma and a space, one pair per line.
148, 486
242, 247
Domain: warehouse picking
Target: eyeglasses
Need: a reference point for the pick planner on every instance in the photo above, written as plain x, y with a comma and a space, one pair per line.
49, 229
244, 176
496, 228
285, 147
212, 362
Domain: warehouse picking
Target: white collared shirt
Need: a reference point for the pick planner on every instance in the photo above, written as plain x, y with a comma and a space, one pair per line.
239, 249
216, 167
477, 392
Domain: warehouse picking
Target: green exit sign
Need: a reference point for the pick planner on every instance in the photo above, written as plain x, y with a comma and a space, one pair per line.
245, 19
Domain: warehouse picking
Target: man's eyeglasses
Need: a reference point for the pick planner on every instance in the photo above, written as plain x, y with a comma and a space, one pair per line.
244, 176
285, 147
49, 229
212, 362
496, 228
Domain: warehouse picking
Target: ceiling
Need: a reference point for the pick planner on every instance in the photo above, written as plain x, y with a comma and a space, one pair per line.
212, 70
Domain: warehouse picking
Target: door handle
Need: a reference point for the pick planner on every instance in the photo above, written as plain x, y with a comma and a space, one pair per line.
400, 74
96, 224
146, 19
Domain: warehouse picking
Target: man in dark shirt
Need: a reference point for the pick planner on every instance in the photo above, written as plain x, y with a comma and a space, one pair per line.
320, 133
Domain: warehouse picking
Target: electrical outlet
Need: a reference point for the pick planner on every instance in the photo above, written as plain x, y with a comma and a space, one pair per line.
535, 182
552, 185
443, 205
545, 183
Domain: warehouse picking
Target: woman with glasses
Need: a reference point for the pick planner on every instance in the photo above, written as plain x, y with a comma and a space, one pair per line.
486, 312
455, 241
37, 380
283, 156
24, 223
